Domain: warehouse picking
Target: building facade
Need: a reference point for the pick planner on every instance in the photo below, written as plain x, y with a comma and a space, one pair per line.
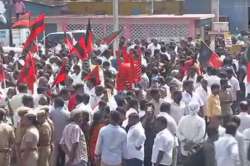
235, 11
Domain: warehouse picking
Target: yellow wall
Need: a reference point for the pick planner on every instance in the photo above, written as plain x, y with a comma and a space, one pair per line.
126, 8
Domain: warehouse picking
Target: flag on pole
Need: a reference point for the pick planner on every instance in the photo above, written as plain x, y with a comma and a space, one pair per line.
28, 72
80, 49
89, 40
208, 57
23, 22
108, 40
37, 27
94, 74
62, 74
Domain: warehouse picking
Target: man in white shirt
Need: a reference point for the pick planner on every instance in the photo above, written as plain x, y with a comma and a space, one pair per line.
16, 102
96, 97
135, 141
246, 134
83, 104
240, 139
177, 107
211, 77
203, 93
111, 146
235, 87
144, 83
244, 116
226, 148
164, 112
191, 129
163, 144
189, 96
156, 100
154, 46
76, 75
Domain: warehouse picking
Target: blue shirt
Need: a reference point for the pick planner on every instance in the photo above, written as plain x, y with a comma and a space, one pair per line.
111, 144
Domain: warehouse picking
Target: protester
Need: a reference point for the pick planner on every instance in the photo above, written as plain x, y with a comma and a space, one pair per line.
73, 141
59, 117
244, 116
214, 106
209, 149
125, 106
110, 150
135, 141
226, 148
165, 112
163, 144
191, 130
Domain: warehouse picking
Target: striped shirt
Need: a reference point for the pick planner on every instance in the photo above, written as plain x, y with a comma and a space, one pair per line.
72, 134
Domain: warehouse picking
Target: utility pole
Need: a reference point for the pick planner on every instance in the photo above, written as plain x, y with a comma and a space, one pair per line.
116, 23
8, 5
215, 9
152, 6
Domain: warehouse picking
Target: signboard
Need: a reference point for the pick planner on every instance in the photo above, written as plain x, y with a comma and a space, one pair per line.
220, 26
228, 39
234, 50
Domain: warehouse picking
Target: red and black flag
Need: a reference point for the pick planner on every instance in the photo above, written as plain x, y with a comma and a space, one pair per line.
80, 49
89, 40
28, 72
108, 40
94, 74
208, 57
23, 22
62, 74
37, 27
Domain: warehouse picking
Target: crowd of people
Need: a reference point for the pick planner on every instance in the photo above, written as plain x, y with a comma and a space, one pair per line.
179, 113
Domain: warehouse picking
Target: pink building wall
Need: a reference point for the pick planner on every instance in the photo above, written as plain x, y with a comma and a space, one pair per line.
144, 26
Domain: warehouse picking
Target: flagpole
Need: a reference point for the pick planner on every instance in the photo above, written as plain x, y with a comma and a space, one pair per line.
9, 21
116, 23
152, 6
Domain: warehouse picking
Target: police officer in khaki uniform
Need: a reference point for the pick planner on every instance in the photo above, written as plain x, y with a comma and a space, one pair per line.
28, 148
46, 109
7, 139
20, 130
44, 145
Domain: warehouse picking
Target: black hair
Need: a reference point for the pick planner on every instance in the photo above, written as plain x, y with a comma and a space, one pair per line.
26, 100
236, 120
212, 131
79, 98
22, 88
165, 107
215, 86
59, 102
231, 128
115, 117
162, 120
